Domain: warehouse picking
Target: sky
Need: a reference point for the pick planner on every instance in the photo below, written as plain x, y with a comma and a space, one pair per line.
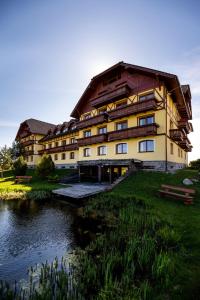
50, 49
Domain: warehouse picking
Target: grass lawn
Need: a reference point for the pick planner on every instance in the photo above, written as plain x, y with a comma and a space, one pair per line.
185, 219
7, 184
145, 247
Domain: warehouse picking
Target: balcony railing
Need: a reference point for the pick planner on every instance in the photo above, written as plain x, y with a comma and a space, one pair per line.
176, 134
186, 144
29, 152
184, 124
27, 143
92, 121
120, 92
95, 139
132, 109
69, 147
185, 111
133, 132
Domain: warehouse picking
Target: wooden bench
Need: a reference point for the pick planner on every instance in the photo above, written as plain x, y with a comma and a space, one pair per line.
19, 179
178, 192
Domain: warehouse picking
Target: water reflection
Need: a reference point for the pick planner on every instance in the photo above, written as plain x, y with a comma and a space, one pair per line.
33, 232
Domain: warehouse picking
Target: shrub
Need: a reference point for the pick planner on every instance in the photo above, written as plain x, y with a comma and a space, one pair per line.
19, 167
45, 166
195, 164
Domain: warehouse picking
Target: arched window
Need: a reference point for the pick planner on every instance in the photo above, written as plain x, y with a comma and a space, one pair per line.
146, 146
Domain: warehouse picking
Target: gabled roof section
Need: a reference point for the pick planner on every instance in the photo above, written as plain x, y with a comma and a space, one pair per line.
33, 126
60, 130
132, 68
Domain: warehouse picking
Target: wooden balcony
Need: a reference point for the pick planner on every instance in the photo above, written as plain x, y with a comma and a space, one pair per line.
118, 93
69, 147
92, 121
185, 111
29, 152
133, 132
95, 139
184, 124
176, 135
186, 144
27, 143
132, 109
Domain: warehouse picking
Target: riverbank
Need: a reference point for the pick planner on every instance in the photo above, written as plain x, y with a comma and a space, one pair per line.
35, 189
145, 246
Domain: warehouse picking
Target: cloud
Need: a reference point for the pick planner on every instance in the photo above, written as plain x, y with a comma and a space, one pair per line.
9, 124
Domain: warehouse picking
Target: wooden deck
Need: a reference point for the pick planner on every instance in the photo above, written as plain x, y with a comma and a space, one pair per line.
81, 190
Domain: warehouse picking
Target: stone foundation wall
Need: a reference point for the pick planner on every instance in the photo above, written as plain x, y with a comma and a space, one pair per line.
160, 166
66, 166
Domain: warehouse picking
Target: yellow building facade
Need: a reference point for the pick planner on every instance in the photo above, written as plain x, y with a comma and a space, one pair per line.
128, 116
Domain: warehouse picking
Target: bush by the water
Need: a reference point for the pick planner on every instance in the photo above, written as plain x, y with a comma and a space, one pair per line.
19, 167
45, 166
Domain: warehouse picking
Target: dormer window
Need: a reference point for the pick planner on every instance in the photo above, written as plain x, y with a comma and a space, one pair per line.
57, 132
65, 130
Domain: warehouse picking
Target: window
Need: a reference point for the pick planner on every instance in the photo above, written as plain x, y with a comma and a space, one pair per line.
146, 120
87, 116
63, 156
56, 144
73, 127
146, 146
102, 130
72, 140
121, 104
50, 145
102, 150
171, 148
179, 152
146, 97
64, 143
86, 152
31, 158
112, 78
72, 155
65, 130
101, 111
87, 133
121, 125
56, 156
121, 148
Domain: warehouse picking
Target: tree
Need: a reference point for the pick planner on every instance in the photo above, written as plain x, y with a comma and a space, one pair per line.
45, 166
5, 159
19, 167
195, 164
17, 150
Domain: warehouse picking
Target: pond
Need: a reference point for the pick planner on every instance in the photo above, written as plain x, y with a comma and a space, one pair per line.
32, 232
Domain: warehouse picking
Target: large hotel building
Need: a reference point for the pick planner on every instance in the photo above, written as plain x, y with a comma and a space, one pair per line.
128, 116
